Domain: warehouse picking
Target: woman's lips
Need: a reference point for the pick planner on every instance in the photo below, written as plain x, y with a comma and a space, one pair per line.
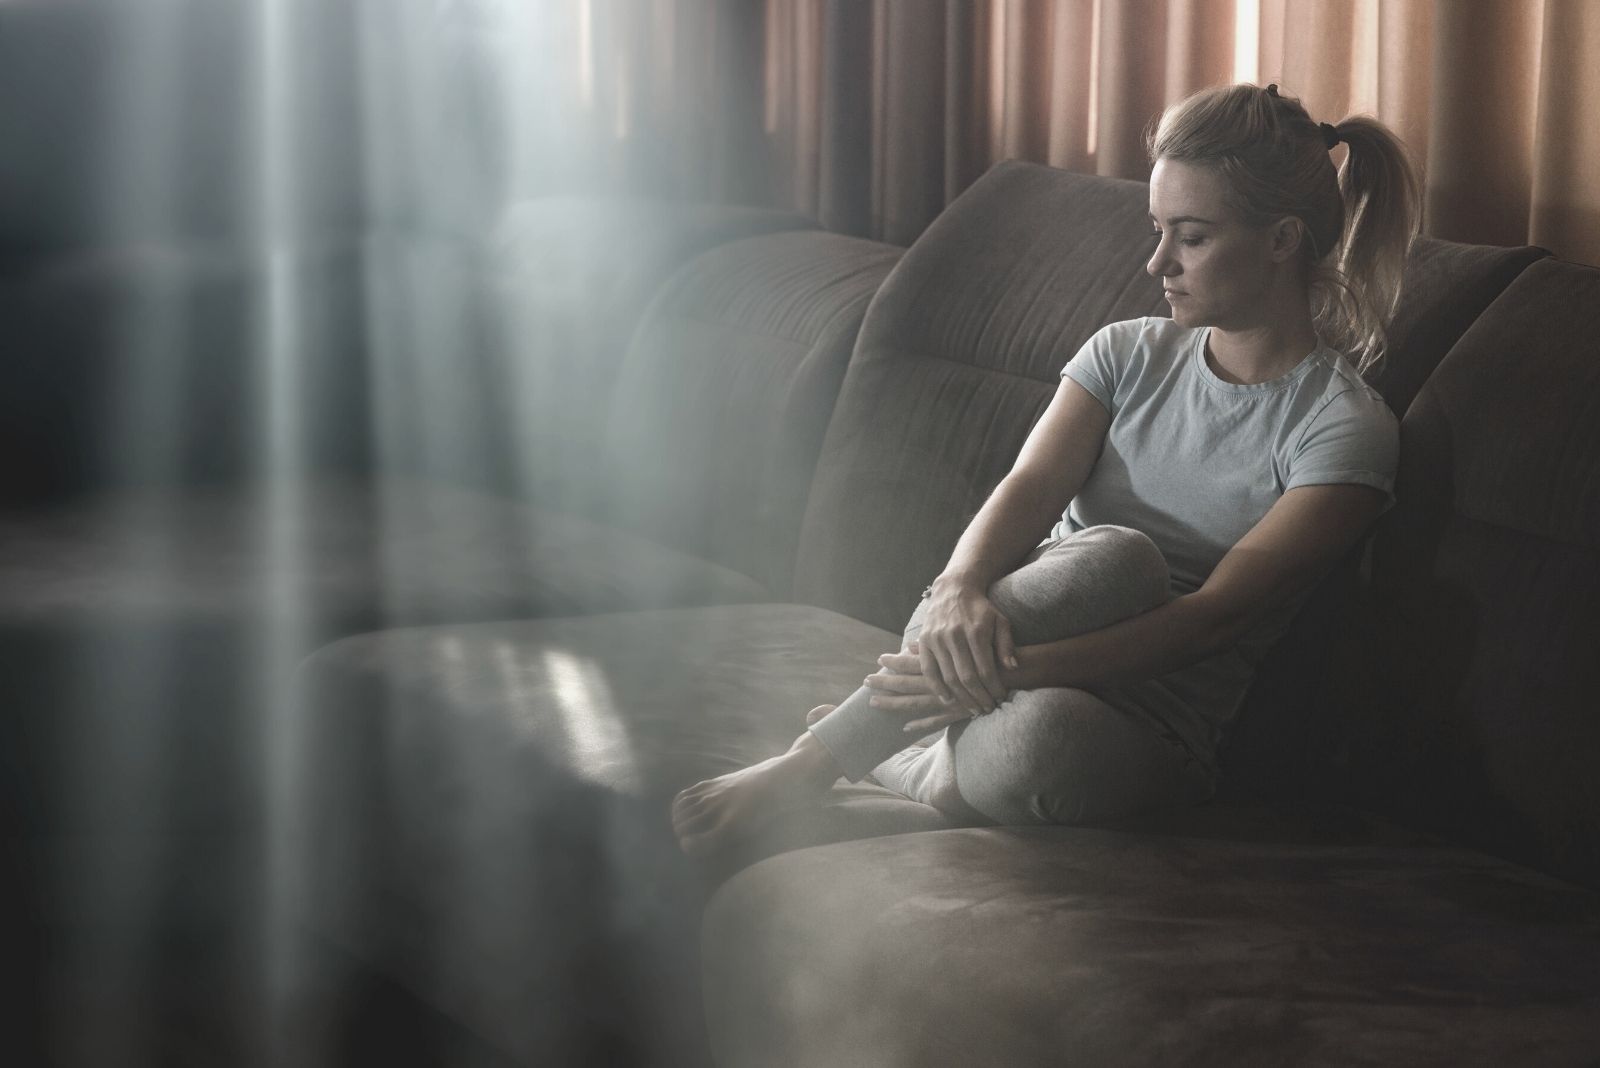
1172, 294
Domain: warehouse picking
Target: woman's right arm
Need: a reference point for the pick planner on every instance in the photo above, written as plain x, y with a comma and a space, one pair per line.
965, 640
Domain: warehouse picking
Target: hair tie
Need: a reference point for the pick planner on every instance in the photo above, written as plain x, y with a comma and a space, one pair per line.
1330, 136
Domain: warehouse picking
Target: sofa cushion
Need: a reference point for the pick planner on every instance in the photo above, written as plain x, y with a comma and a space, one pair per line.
958, 356
1042, 945
558, 296
1447, 285
1487, 571
136, 628
526, 768
720, 407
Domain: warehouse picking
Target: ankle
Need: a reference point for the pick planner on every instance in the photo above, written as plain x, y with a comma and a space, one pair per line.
811, 757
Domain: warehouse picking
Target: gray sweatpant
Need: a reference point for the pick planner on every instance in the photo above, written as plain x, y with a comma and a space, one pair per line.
1044, 756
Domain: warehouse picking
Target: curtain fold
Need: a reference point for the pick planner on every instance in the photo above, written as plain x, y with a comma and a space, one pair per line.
875, 115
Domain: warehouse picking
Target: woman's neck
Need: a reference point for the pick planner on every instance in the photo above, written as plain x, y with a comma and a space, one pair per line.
1261, 353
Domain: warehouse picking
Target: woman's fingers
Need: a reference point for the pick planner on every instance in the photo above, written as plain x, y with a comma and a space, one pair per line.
901, 663
899, 684
938, 673
1005, 647
986, 673
970, 692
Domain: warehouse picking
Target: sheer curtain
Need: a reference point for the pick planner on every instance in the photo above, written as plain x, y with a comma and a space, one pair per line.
874, 114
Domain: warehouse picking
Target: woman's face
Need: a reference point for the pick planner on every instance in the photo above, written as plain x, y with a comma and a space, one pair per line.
1215, 268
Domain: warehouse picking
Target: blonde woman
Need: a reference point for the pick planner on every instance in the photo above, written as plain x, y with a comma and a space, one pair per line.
1191, 480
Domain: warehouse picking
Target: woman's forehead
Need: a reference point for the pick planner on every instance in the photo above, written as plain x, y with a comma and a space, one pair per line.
1184, 192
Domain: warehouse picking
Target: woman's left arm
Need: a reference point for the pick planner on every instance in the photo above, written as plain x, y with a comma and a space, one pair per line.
1289, 549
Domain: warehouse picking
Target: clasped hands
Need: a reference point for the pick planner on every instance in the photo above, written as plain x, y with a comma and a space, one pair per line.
954, 670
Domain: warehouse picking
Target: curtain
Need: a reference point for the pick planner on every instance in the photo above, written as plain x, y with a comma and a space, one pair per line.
875, 114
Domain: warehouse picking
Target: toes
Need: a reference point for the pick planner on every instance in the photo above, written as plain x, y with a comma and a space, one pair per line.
699, 837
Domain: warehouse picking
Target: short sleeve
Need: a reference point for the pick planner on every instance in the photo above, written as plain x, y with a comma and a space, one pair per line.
1355, 438
1102, 361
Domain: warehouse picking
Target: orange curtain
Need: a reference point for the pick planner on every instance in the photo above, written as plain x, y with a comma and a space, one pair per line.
874, 114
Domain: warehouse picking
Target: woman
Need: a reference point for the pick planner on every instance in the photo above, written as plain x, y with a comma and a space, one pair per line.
1202, 473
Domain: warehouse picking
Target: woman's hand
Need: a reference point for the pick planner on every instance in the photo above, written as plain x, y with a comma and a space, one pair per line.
908, 692
965, 642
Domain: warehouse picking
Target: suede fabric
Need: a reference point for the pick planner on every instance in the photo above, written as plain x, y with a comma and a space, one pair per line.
133, 626
490, 803
958, 356
722, 403
1445, 288
558, 295
1025, 946
1486, 573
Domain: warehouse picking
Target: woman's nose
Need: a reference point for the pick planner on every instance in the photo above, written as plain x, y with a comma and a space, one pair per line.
1159, 264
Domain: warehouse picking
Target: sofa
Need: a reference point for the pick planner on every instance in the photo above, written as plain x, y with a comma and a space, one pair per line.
442, 716
1402, 864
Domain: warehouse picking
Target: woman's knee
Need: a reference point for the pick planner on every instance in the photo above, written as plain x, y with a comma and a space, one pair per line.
1088, 580
1130, 555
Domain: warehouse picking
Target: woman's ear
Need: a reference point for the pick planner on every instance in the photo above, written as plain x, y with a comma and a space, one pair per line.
1288, 233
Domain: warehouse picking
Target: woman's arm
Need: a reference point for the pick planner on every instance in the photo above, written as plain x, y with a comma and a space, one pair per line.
1287, 551
965, 640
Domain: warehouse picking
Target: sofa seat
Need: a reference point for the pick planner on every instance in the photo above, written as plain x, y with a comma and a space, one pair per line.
1058, 945
493, 833
632, 705
491, 807
397, 551
140, 630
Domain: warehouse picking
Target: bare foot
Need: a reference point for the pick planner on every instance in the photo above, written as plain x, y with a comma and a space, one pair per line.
818, 712
710, 813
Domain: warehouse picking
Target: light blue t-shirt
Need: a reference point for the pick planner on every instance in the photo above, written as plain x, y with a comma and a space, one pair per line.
1194, 462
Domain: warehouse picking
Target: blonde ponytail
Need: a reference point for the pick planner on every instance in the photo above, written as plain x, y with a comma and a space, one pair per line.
1381, 195
1360, 220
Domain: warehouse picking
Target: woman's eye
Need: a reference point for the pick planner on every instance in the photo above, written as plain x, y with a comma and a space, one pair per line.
1192, 242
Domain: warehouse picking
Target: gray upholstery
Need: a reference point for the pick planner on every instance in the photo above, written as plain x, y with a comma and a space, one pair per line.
1289, 935
1023, 946
958, 357
163, 601
720, 409
1446, 286
1486, 575
491, 804
364, 554
558, 297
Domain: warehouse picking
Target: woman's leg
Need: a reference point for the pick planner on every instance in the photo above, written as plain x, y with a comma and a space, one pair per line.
1059, 756
1085, 581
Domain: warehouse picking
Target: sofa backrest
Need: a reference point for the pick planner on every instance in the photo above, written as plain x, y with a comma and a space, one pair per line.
719, 410
1447, 285
1487, 575
563, 288
958, 356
